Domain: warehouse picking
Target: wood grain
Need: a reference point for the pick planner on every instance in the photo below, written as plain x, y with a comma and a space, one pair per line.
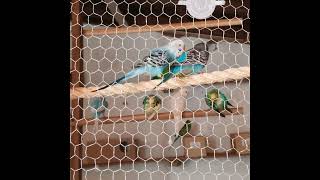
166, 159
75, 81
162, 27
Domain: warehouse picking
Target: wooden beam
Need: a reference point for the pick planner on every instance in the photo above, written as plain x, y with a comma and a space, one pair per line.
160, 116
180, 33
228, 75
162, 27
75, 81
167, 159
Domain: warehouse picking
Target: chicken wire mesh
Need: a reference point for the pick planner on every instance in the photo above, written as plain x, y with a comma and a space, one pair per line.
138, 143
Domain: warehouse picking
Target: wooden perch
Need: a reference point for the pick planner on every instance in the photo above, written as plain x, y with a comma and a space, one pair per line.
105, 161
182, 33
160, 116
230, 74
161, 27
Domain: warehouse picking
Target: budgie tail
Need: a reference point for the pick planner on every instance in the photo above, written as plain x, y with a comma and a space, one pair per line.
218, 111
229, 104
133, 73
177, 137
229, 110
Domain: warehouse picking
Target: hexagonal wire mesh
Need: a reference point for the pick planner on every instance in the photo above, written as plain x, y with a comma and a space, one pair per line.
137, 141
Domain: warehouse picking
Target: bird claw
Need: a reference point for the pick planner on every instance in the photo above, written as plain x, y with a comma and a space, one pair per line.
168, 90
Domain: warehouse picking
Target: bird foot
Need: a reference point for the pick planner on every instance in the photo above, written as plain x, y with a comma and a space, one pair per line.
168, 90
180, 75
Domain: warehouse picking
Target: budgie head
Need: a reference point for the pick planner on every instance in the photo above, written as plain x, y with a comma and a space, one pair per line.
177, 46
214, 95
211, 96
151, 101
154, 101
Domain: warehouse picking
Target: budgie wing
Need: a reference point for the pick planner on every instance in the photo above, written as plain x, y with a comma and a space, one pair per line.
166, 74
196, 57
208, 100
173, 64
160, 57
223, 96
189, 127
225, 99
185, 70
183, 130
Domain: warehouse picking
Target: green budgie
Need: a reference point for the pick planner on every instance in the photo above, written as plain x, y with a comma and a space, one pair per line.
192, 61
151, 105
183, 131
216, 100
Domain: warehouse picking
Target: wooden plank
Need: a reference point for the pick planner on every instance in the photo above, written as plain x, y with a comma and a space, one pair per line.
75, 81
167, 159
236, 142
109, 151
159, 116
179, 34
162, 27
227, 75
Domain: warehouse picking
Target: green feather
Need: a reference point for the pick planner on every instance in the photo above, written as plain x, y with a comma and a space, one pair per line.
167, 73
221, 102
146, 101
184, 130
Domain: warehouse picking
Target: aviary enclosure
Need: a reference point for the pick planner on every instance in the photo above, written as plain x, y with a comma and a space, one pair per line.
160, 90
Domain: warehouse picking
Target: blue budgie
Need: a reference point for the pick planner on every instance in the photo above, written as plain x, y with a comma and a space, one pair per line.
155, 63
98, 107
196, 60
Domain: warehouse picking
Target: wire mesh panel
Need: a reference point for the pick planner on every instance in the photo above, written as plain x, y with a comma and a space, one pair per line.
163, 131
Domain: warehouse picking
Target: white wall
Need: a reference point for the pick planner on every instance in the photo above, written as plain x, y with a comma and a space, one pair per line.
109, 57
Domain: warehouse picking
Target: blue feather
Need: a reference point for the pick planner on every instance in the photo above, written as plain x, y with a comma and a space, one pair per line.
182, 58
190, 62
153, 71
154, 65
182, 69
99, 104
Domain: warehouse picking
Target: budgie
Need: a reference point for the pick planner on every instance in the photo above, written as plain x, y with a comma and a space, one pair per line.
99, 105
183, 131
196, 60
155, 63
151, 105
216, 100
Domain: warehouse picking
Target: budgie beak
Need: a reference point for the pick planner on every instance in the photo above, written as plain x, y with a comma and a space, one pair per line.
180, 51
